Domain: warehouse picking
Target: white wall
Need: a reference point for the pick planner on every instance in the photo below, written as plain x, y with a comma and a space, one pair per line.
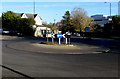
38, 20
24, 16
40, 31
101, 19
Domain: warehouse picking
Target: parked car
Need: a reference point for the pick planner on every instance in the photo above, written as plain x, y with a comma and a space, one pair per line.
76, 34
5, 32
13, 32
20, 34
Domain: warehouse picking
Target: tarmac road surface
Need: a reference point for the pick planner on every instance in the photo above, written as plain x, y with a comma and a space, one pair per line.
19, 62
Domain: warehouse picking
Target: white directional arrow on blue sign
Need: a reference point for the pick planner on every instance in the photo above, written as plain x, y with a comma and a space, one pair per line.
59, 35
64, 35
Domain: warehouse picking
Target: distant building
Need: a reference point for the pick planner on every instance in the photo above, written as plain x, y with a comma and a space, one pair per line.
119, 8
101, 19
59, 24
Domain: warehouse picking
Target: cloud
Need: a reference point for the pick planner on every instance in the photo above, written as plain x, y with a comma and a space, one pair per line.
60, 0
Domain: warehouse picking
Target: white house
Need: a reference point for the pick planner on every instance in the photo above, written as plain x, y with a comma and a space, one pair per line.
40, 29
36, 17
101, 19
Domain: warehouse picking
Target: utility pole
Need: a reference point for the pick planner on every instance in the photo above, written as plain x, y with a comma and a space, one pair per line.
34, 7
119, 8
110, 7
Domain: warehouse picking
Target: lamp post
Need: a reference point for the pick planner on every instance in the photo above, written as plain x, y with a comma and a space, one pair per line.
34, 6
110, 7
119, 8
55, 19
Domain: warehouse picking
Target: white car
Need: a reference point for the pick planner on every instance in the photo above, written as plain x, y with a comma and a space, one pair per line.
5, 32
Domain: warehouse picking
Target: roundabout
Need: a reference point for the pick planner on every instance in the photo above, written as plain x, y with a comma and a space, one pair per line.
28, 57
55, 49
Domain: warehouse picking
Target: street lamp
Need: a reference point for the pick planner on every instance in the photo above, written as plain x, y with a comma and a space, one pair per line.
34, 6
55, 19
119, 8
110, 7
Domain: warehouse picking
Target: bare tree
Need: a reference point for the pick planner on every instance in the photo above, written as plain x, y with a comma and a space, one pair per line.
80, 19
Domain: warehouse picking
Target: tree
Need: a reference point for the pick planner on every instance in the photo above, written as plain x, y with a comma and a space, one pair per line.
67, 23
96, 27
25, 27
31, 21
108, 27
113, 26
80, 19
116, 23
10, 21
52, 26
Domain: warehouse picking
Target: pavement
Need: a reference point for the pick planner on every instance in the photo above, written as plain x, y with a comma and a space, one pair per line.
5, 37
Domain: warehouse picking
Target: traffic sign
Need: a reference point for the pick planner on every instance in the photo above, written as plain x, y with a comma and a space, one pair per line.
68, 35
87, 29
59, 35
53, 36
64, 35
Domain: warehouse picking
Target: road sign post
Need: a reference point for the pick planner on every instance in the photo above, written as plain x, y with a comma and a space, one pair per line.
59, 40
53, 36
52, 40
65, 40
69, 40
87, 30
64, 36
47, 34
68, 36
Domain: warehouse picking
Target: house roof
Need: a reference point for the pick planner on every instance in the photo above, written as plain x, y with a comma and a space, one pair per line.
31, 15
19, 14
28, 15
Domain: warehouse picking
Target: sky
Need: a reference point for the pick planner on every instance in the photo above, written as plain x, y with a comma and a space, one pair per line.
60, 0
49, 10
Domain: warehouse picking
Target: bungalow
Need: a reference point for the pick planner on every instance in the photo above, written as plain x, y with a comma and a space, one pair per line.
40, 29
